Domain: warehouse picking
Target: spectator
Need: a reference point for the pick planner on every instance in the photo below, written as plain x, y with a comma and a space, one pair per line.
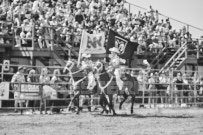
164, 83
18, 78
44, 77
179, 88
152, 90
32, 78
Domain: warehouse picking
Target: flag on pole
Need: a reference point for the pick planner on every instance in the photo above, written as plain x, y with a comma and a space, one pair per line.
92, 44
125, 46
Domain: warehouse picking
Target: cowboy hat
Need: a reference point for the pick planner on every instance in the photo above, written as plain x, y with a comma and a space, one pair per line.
85, 55
114, 49
21, 67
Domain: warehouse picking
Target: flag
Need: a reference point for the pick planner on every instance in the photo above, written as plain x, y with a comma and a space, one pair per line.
124, 45
92, 44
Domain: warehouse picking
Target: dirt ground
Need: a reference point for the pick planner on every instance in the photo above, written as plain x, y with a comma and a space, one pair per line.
142, 122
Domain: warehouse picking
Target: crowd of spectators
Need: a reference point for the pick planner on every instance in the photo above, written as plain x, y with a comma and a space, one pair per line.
170, 87
70, 17
165, 88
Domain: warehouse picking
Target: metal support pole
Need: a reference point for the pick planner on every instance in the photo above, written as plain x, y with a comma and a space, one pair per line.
41, 98
69, 54
171, 87
188, 26
129, 9
195, 95
143, 91
33, 36
21, 110
197, 50
52, 39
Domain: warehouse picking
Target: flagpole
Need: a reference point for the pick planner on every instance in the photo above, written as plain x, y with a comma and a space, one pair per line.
79, 56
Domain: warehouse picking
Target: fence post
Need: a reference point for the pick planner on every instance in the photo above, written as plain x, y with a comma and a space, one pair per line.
197, 50
188, 27
21, 110
52, 38
33, 36
171, 87
195, 95
41, 97
2, 73
186, 50
143, 90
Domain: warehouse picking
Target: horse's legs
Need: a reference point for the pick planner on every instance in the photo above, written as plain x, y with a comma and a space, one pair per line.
45, 106
125, 96
132, 104
111, 104
103, 102
73, 100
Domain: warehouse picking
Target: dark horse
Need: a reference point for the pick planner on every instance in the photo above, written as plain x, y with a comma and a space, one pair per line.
129, 88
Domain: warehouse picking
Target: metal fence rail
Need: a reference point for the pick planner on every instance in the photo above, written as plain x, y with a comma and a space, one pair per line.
191, 94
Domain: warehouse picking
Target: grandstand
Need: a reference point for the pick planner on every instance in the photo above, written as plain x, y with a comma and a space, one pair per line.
39, 38
48, 33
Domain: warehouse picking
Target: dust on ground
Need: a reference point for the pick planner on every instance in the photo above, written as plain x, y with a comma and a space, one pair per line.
142, 122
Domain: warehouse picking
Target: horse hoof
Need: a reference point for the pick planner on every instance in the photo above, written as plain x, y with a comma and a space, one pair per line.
132, 111
120, 107
77, 112
114, 114
101, 112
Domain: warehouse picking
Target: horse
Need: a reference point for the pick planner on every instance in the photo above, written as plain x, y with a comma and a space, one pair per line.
104, 79
129, 87
78, 82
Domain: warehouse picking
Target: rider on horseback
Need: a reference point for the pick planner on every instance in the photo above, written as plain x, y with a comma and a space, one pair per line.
115, 62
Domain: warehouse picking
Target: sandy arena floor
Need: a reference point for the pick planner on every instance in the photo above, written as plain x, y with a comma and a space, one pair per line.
142, 122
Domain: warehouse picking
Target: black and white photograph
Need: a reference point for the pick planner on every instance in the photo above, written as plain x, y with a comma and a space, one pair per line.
101, 67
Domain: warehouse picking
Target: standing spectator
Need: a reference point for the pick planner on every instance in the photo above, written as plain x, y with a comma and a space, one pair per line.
163, 81
152, 90
18, 78
178, 88
56, 78
32, 78
44, 77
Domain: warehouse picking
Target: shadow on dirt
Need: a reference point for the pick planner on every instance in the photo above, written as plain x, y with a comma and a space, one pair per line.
145, 116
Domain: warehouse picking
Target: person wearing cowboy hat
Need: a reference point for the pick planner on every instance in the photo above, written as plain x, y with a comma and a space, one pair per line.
18, 78
114, 58
86, 62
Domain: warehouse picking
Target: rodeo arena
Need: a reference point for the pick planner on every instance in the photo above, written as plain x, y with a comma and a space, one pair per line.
74, 67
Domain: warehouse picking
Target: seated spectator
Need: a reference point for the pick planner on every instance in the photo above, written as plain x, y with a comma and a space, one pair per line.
155, 46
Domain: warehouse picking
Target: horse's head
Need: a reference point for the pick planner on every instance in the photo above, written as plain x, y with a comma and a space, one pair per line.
99, 67
69, 65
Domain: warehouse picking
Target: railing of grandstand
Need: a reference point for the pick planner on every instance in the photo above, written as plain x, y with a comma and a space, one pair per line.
158, 58
188, 25
175, 20
182, 50
162, 94
6, 34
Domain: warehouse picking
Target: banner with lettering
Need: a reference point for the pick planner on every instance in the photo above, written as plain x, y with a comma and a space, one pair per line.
31, 91
92, 43
4, 90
